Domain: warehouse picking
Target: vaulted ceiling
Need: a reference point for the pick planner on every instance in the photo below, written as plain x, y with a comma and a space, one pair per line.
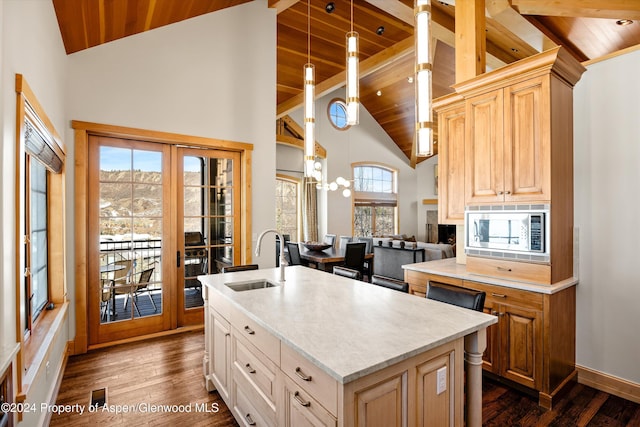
515, 29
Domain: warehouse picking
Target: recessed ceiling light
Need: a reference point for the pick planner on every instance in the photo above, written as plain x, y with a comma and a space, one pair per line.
514, 50
380, 30
410, 79
330, 7
379, 93
623, 22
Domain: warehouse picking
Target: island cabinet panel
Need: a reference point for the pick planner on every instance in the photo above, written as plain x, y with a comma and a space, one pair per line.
408, 393
220, 353
418, 282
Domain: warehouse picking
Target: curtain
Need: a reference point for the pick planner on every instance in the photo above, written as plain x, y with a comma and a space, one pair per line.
309, 210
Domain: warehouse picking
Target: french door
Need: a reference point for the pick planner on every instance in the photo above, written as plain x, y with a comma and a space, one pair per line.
158, 216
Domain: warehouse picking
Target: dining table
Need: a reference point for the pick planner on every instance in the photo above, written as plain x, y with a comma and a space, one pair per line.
326, 259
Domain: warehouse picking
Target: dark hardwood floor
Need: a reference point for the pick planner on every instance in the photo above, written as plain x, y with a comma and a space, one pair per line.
161, 371
168, 371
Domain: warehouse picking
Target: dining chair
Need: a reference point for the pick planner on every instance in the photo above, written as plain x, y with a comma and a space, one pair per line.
121, 282
354, 257
143, 286
344, 240
330, 239
390, 283
346, 272
368, 264
233, 268
287, 239
456, 295
106, 293
294, 253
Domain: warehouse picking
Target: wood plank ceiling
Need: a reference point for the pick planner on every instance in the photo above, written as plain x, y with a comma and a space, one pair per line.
516, 29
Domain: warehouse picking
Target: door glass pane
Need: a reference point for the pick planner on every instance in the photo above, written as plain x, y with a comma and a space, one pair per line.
208, 221
130, 222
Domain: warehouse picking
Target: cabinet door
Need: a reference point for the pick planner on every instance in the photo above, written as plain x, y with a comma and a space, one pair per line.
451, 135
527, 141
383, 404
521, 333
484, 174
301, 410
435, 405
220, 354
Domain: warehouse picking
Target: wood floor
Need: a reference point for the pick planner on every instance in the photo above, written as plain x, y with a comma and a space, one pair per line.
168, 371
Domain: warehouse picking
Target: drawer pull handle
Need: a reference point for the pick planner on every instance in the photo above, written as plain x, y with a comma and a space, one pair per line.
498, 295
249, 420
248, 330
302, 374
503, 269
298, 399
250, 369
494, 313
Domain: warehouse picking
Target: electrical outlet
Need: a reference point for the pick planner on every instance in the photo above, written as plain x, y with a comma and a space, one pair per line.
441, 375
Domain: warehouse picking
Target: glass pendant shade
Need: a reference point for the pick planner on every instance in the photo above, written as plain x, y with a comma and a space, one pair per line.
353, 89
309, 120
424, 115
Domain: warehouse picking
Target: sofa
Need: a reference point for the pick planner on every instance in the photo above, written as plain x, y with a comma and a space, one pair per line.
391, 253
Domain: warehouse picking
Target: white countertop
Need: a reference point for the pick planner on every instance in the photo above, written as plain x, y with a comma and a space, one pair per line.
348, 328
449, 267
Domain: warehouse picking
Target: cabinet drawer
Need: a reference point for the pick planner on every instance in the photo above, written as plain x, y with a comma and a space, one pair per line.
311, 378
246, 408
259, 371
300, 409
510, 270
256, 335
504, 295
220, 304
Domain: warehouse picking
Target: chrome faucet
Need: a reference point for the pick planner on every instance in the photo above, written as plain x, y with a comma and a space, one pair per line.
283, 261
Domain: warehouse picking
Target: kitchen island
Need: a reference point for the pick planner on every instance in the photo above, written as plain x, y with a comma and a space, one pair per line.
325, 350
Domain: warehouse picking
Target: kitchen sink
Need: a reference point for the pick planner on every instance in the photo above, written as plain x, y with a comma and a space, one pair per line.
251, 285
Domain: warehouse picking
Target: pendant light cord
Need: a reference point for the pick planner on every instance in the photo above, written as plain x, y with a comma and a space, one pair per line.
352, 16
308, 31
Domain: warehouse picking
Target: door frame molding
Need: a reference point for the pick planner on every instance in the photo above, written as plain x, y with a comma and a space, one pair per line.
82, 130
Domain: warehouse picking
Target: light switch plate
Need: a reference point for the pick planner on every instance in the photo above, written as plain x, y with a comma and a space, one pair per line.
441, 374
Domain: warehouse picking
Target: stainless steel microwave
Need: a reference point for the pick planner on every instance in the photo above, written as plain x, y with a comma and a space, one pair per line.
516, 232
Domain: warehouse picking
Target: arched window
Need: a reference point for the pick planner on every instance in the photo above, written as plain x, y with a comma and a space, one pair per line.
375, 200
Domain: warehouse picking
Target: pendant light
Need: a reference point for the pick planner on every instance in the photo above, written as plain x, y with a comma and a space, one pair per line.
309, 107
353, 84
424, 121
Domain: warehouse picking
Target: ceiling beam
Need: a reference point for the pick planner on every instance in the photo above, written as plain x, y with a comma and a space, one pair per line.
502, 12
367, 66
442, 28
281, 5
610, 9
470, 40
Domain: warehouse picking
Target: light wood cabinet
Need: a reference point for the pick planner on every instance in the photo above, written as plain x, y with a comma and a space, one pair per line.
267, 383
507, 145
451, 159
533, 343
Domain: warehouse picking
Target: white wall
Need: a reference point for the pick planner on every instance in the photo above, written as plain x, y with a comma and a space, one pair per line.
366, 141
607, 202
207, 76
31, 46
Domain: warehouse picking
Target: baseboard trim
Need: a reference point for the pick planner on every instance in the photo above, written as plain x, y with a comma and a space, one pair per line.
609, 384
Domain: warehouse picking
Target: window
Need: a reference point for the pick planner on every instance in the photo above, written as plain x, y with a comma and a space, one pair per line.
288, 206
337, 112
36, 247
375, 200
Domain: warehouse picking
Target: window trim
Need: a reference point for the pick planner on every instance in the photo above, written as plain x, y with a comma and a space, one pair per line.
34, 346
298, 183
344, 104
